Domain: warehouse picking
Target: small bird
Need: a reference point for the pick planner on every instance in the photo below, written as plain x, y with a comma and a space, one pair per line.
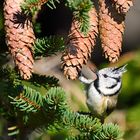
102, 92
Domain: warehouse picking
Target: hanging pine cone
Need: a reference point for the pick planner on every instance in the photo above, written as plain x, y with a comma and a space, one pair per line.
111, 27
122, 6
79, 46
19, 36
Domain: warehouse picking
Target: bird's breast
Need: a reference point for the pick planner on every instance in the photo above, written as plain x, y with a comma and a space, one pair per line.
99, 104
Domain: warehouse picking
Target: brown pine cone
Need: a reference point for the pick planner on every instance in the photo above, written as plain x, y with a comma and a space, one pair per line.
79, 46
19, 36
111, 27
122, 6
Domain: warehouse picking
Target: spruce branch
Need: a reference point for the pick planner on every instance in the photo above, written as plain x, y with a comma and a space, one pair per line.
10, 75
55, 100
86, 125
110, 132
29, 100
48, 45
13, 130
51, 3
56, 129
32, 6
80, 10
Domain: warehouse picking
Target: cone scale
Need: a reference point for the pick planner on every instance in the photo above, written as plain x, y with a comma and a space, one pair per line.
79, 46
19, 37
111, 28
122, 6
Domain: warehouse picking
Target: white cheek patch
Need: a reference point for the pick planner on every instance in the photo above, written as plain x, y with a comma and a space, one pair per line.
110, 91
108, 86
110, 83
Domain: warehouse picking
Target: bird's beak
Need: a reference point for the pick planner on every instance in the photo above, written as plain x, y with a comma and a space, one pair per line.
121, 68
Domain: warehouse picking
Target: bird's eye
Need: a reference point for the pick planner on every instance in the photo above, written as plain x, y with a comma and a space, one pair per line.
105, 76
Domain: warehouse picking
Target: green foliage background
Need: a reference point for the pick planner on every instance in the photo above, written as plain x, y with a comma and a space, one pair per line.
129, 99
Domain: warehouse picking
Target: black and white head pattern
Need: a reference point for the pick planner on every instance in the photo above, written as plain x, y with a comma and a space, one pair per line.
108, 80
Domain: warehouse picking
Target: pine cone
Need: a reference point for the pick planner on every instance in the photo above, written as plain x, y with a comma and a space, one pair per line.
19, 36
79, 46
111, 27
122, 6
